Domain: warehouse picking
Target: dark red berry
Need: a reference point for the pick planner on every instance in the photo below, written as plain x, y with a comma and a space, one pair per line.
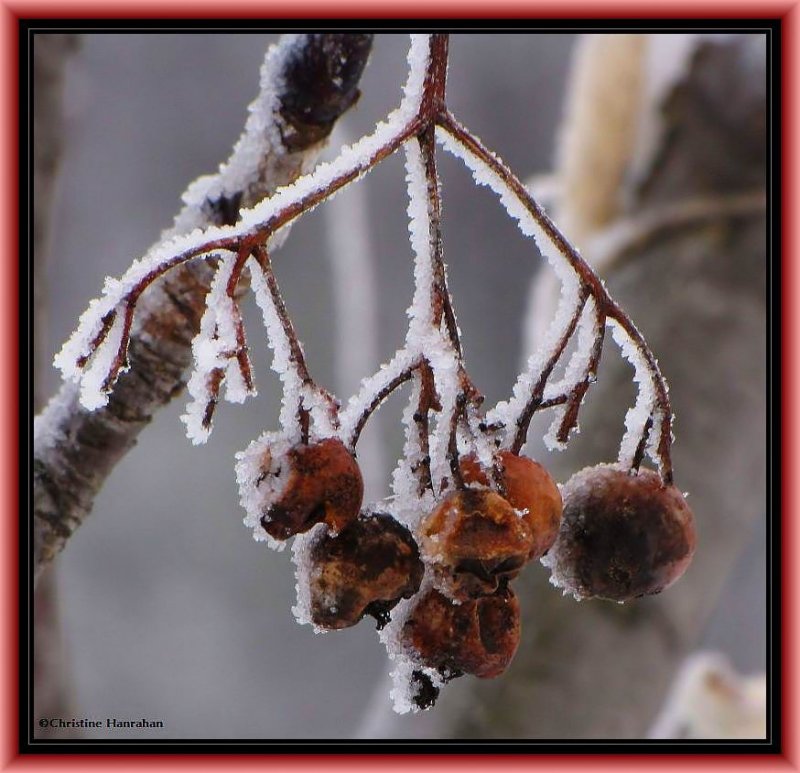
324, 485
476, 541
477, 637
623, 535
364, 569
528, 487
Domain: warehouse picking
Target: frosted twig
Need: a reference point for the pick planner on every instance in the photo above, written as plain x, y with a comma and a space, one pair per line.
537, 392
428, 401
576, 393
377, 398
490, 170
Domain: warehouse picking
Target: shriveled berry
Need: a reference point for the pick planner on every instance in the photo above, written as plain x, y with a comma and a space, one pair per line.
528, 487
623, 535
324, 484
477, 637
364, 569
476, 541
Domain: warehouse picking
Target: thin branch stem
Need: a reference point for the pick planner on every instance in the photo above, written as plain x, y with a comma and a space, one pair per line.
589, 375
297, 357
213, 382
428, 401
378, 399
535, 398
107, 322
638, 455
452, 444
121, 357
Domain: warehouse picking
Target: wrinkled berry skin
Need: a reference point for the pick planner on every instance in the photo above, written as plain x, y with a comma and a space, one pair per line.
324, 484
527, 486
364, 569
622, 535
476, 541
477, 637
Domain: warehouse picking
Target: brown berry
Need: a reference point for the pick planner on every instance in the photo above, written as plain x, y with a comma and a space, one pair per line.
324, 485
476, 541
623, 535
364, 569
477, 637
528, 487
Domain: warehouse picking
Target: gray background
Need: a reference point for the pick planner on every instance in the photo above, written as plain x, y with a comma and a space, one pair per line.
171, 611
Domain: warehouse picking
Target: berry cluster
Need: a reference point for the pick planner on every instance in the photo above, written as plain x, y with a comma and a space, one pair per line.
434, 562
623, 534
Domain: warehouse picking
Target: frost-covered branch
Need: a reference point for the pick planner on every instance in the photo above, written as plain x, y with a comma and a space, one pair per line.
577, 278
76, 448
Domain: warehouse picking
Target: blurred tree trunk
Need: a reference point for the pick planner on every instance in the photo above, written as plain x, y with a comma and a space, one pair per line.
51, 690
688, 263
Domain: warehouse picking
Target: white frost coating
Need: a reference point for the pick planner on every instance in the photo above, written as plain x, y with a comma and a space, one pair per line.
47, 432
444, 364
420, 312
318, 404
485, 175
212, 348
424, 340
282, 362
93, 395
408, 505
637, 416
262, 474
405, 662
260, 140
305, 572
509, 411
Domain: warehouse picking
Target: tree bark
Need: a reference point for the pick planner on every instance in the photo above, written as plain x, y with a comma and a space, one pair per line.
697, 290
51, 674
74, 449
